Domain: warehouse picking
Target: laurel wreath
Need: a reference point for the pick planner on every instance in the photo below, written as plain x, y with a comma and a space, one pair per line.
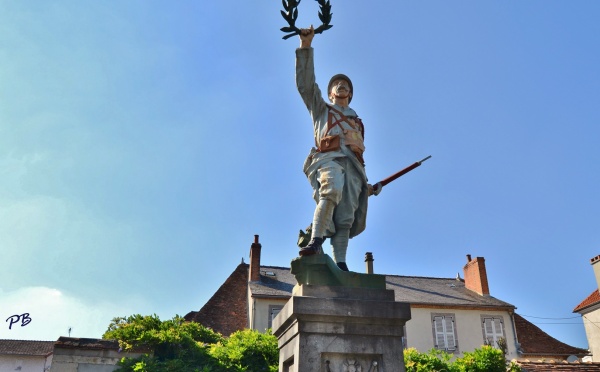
291, 14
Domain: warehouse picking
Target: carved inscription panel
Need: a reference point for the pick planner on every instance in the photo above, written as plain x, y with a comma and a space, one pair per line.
337, 362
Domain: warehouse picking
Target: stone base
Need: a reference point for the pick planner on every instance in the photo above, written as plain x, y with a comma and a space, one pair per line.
320, 270
332, 328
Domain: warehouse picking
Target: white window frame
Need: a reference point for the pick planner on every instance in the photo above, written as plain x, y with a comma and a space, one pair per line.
490, 331
276, 309
445, 336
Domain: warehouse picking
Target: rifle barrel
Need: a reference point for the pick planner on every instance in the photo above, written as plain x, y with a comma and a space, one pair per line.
399, 174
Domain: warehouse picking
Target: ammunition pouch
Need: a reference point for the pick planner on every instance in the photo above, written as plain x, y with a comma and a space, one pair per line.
354, 140
329, 143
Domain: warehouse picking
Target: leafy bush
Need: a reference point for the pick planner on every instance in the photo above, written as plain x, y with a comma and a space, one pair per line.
168, 339
245, 349
486, 359
432, 361
180, 346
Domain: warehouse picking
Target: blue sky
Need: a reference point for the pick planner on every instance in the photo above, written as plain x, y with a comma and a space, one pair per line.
142, 145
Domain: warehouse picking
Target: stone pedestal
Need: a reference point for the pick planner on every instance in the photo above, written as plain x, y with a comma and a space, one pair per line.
340, 328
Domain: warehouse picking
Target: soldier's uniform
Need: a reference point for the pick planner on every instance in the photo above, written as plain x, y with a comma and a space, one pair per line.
335, 167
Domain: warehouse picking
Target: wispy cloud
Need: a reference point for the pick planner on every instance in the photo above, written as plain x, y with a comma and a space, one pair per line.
52, 312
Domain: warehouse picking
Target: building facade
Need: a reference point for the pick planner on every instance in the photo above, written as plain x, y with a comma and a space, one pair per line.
589, 309
451, 314
25, 355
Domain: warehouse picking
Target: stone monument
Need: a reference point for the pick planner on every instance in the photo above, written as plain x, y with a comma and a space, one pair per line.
336, 320
339, 321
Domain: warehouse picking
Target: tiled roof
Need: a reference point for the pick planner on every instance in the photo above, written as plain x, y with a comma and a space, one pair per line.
93, 344
23, 347
412, 289
534, 341
86, 343
227, 310
558, 366
439, 291
274, 281
591, 300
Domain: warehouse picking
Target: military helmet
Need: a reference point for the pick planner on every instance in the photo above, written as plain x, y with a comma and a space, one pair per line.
338, 77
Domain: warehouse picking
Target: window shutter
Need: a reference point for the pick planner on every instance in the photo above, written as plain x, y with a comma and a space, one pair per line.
443, 326
488, 327
274, 312
493, 329
438, 324
498, 327
450, 340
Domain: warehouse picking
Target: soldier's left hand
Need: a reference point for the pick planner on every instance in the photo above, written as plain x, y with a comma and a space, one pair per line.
374, 190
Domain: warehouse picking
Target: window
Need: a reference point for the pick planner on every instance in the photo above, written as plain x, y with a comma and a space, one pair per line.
493, 329
444, 332
273, 311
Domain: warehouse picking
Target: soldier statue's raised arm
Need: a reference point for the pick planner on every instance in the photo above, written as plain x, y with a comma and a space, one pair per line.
335, 166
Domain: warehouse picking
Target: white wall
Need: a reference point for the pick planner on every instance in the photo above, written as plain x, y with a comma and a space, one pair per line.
83, 359
419, 332
259, 312
27, 363
469, 334
590, 323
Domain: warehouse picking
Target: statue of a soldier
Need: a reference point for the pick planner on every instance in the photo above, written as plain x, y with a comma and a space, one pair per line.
335, 167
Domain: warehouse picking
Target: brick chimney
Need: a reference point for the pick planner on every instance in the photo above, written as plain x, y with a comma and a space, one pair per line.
369, 261
476, 276
596, 265
254, 275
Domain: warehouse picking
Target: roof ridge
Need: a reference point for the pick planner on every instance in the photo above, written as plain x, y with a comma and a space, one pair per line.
392, 275
592, 299
275, 267
420, 277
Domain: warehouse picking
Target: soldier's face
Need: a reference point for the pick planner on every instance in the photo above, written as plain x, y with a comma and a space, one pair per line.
340, 88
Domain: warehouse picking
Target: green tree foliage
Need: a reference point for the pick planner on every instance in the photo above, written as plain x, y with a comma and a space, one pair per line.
485, 359
180, 346
432, 361
247, 348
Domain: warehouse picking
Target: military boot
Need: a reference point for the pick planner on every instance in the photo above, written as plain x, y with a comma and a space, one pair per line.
313, 247
342, 266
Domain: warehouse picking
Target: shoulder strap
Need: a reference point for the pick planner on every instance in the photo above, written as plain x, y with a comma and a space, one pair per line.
330, 122
361, 125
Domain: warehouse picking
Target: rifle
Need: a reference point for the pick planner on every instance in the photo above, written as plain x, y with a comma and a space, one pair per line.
396, 175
